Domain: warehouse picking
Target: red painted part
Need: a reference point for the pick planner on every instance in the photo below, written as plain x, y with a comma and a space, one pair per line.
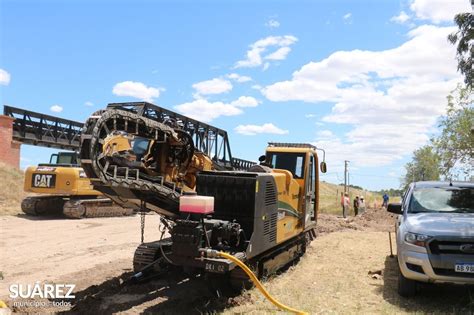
9, 149
196, 209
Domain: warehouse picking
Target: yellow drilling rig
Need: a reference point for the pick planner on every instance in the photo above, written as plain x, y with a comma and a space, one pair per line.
139, 154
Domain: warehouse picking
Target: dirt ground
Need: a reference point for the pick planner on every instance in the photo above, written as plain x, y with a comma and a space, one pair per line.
96, 255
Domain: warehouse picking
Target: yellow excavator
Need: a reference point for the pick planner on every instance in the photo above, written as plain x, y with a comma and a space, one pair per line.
62, 187
213, 211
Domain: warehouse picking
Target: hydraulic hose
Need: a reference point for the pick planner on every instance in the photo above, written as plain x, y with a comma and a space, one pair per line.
259, 285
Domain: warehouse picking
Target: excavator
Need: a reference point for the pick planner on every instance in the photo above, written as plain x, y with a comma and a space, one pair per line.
61, 187
216, 212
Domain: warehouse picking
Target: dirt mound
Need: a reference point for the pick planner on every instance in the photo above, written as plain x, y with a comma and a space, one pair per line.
11, 187
374, 219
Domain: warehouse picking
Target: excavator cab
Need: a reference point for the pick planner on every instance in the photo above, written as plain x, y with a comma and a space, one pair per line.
63, 159
301, 160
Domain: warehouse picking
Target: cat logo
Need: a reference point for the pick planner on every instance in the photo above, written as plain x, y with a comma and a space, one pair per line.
44, 180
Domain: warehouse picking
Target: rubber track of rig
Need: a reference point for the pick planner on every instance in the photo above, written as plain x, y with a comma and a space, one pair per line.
105, 177
146, 253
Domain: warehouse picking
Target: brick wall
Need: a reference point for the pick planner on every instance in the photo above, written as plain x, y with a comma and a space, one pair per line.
9, 149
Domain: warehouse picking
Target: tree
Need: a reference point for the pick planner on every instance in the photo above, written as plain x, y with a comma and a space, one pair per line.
424, 166
464, 38
455, 144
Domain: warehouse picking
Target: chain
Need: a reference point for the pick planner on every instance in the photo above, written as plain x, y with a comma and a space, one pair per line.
142, 221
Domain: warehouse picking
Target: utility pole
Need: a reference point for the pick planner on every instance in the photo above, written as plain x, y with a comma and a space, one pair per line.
345, 175
348, 183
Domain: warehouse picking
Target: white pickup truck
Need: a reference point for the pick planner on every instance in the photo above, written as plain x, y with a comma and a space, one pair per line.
435, 234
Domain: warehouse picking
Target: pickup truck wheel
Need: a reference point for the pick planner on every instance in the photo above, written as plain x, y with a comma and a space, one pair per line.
406, 287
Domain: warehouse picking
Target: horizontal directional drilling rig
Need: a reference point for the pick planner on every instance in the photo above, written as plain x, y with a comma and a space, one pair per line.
139, 154
216, 209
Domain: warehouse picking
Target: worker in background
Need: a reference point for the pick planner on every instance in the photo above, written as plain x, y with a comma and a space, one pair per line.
361, 204
356, 205
346, 205
385, 201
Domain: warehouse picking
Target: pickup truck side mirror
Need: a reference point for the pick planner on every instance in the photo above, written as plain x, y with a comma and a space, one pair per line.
395, 208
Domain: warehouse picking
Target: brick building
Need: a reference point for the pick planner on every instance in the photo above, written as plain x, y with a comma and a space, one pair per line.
9, 149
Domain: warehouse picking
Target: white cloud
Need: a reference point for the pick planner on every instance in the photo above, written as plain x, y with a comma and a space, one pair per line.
272, 23
245, 101
213, 86
136, 90
4, 77
324, 134
239, 78
310, 115
56, 108
439, 11
347, 18
391, 98
401, 18
257, 87
280, 54
259, 48
203, 110
89, 104
376, 145
252, 130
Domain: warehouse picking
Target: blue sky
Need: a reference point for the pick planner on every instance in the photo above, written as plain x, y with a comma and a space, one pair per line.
364, 80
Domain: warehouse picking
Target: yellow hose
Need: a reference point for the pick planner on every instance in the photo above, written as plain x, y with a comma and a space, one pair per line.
259, 285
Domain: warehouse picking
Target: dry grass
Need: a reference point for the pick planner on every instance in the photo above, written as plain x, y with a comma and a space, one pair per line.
330, 198
11, 190
332, 278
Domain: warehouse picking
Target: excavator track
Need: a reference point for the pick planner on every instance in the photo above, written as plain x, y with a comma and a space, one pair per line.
42, 205
73, 208
94, 208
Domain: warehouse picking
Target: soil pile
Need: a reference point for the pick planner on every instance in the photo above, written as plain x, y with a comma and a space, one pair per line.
373, 219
